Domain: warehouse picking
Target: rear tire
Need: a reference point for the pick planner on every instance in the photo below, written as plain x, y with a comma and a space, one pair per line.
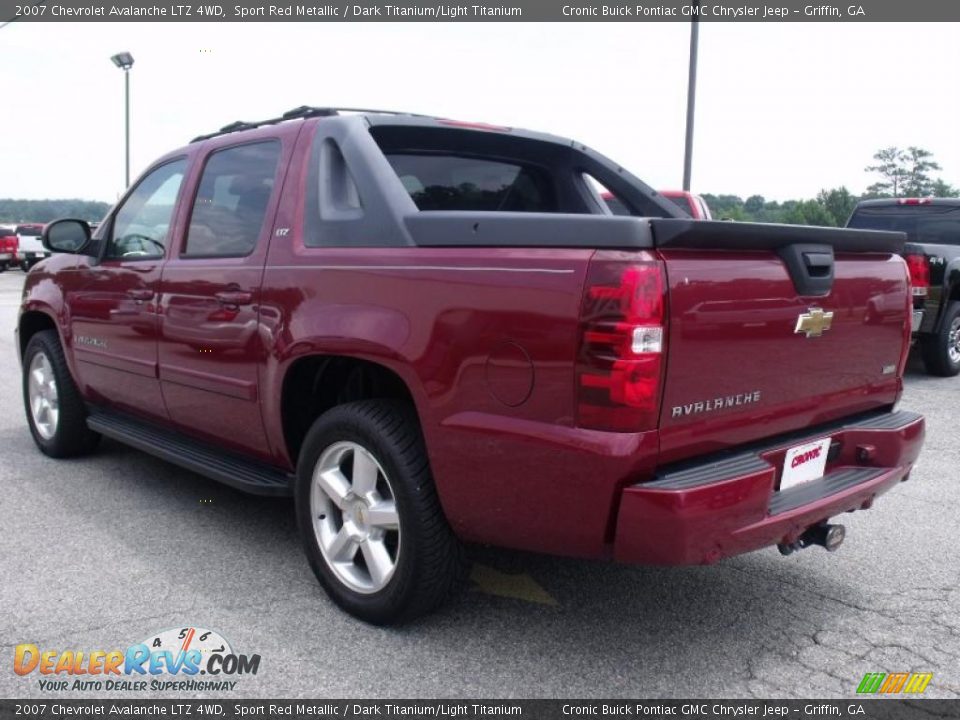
25, 266
55, 411
369, 516
941, 351
3, 267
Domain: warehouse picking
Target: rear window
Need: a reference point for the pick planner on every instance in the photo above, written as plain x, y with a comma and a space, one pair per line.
30, 230
616, 205
936, 225
455, 182
681, 202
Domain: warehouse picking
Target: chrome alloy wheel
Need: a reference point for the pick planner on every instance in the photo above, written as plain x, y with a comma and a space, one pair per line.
355, 517
43, 396
953, 341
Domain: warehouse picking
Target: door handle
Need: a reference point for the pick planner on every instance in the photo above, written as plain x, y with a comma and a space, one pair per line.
234, 298
140, 295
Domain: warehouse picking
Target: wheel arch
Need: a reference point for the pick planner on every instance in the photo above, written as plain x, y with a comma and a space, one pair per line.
951, 293
30, 323
315, 383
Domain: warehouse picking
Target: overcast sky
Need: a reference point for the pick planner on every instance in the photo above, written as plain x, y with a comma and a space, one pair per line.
783, 110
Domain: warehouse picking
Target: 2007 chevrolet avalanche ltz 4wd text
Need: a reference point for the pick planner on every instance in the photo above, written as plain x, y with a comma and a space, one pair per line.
433, 333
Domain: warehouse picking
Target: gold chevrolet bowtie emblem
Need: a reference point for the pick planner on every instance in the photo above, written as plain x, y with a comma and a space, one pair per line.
814, 322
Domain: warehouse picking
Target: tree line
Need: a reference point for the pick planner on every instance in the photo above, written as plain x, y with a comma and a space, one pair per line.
43, 211
902, 173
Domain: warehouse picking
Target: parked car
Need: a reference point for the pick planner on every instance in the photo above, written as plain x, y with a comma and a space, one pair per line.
8, 247
932, 252
456, 342
693, 205
31, 249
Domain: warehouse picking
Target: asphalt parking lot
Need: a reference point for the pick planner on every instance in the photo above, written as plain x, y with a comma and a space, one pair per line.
99, 553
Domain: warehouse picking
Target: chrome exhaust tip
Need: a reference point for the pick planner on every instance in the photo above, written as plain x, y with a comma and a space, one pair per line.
825, 535
828, 536
835, 537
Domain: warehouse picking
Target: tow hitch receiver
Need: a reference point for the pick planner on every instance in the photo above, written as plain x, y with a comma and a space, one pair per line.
825, 535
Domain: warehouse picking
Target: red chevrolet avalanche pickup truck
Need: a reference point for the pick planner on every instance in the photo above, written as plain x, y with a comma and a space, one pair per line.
432, 333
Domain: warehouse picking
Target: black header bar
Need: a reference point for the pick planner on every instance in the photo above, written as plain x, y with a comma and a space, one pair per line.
50, 708
477, 11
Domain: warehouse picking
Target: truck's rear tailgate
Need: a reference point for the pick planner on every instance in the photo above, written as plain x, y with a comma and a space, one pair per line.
750, 357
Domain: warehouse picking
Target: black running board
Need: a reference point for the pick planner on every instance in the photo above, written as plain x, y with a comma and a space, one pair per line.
233, 470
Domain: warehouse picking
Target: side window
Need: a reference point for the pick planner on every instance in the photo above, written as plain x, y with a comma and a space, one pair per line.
231, 203
142, 224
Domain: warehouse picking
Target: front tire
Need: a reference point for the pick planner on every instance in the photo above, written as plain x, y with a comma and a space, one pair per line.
369, 516
55, 411
941, 351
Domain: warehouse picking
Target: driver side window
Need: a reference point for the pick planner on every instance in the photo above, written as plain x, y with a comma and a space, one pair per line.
142, 224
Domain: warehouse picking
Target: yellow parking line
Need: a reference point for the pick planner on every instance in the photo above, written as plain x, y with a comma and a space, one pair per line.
518, 586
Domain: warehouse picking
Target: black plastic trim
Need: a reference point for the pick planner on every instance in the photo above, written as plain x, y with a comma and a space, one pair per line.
709, 473
887, 421
721, 235
719, 467
201, 458
787, 500
810, 267
510, 229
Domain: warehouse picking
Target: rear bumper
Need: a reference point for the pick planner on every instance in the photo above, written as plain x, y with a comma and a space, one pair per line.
700, 513
6, 257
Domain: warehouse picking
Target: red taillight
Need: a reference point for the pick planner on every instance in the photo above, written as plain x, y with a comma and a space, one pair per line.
622, 343
915, 201
919, 274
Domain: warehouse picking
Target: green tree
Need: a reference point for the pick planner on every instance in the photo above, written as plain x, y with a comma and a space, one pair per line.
754, 204
890, 167
942, 189
15, 211
726, 206
905, 173
918, 163
809, 212
839, 204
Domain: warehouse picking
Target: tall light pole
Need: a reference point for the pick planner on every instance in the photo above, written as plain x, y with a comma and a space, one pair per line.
124, 61
691, 93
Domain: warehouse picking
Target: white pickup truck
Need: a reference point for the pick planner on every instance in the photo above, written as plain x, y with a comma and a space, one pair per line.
31, 249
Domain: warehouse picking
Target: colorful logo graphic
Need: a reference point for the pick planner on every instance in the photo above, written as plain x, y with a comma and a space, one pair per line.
185, 652
893, 683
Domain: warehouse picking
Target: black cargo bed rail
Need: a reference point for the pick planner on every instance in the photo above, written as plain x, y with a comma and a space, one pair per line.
726, 235
513, 229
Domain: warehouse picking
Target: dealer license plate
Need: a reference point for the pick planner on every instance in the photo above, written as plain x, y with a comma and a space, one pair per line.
804, 463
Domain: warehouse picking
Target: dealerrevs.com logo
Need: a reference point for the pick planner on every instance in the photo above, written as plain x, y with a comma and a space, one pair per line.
179, 659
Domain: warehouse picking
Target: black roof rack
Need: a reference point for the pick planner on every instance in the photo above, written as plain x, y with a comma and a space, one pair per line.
304, 111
